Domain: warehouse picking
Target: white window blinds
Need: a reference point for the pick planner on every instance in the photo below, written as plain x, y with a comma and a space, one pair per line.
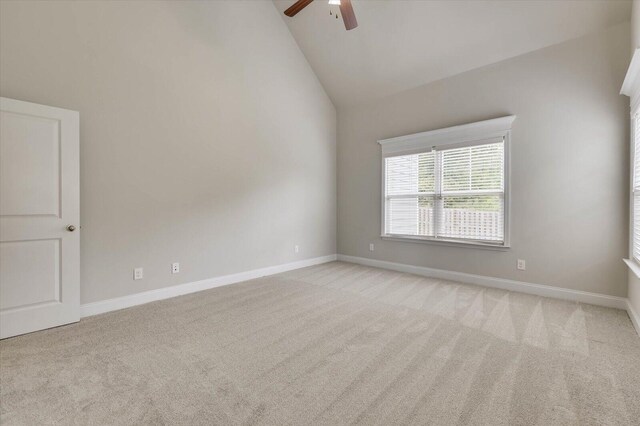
453, 193
636, 187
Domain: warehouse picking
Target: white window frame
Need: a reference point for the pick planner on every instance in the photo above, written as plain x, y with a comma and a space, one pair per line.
635, 116
631, 88
451, 137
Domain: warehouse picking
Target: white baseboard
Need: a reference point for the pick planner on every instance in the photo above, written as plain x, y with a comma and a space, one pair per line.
635, 318
109, 305
511, 285
115, 304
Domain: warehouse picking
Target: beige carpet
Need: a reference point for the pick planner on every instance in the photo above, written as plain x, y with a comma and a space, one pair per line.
331, 344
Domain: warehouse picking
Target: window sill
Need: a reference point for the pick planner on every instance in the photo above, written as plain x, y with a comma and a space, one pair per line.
633, 265
444, 242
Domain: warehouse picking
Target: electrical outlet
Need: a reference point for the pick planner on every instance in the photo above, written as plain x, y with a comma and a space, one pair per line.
522, 265
175, 268
296, 248
138, 273
371, 247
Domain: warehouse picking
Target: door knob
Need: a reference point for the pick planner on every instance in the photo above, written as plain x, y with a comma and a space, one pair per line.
71, 228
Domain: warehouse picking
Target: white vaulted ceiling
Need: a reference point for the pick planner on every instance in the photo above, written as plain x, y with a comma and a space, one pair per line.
401, 44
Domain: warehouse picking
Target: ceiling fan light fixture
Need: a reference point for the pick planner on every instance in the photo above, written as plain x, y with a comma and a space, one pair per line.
346, 10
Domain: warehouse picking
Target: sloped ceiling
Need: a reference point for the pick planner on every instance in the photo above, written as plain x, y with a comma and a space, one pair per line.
401, 44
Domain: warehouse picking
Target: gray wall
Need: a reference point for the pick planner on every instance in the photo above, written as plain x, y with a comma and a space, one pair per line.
635, 25
569, 164
205, 136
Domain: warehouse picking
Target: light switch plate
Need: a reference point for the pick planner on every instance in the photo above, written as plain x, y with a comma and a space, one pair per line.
138, 273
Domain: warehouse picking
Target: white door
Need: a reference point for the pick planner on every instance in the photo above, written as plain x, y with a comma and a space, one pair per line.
39, 217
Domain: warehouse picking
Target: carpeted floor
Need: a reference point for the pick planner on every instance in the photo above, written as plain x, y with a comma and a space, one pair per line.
331, 344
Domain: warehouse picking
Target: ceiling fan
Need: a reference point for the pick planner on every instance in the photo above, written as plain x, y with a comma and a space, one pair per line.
346, 9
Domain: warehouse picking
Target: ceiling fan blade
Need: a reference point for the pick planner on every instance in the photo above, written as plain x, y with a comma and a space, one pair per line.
297, 7
348, 15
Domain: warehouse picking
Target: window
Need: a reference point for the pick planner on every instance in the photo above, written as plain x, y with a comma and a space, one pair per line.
448, 185
631, 88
